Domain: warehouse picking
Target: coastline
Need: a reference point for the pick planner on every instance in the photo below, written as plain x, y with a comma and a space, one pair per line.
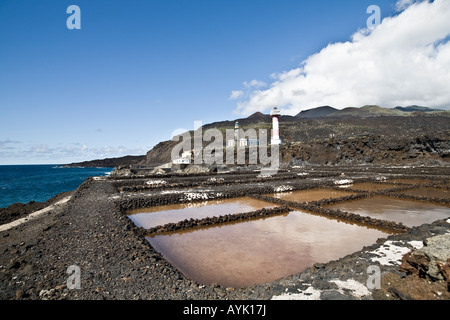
29, 187
22, 210
35, 214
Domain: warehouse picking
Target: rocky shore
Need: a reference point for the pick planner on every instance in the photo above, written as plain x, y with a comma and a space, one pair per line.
91, 231
21, 210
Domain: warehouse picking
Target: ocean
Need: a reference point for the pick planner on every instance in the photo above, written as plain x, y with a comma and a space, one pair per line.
25, 183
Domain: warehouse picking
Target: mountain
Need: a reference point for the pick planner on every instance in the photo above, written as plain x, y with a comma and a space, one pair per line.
316, 112
416, 108
366, 111
349, 124
108, 162
159, 154
258, 116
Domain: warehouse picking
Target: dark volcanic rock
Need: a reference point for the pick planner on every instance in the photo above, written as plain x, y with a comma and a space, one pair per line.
316, 112
20, 210
370, 149
109, 162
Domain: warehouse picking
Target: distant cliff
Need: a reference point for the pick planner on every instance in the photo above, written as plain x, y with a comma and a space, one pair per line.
109, 162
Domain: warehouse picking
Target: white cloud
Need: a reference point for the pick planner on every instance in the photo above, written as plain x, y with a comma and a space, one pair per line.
236, 94
403, 4
4, 144
249, 86
42, 148
403, 61
254, 84
64, 154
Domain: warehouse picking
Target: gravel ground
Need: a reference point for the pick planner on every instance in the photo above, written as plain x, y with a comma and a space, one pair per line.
115, 261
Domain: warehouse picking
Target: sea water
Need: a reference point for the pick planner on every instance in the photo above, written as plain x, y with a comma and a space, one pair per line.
25, 183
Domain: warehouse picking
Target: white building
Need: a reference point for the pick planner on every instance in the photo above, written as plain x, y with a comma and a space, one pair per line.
243, 142
185, 158
249, 142
182, 161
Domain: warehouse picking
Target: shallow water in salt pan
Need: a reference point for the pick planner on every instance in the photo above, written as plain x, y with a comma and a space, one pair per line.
410, 213
262, 250
428, 192
310, 195
160, 215
410, 181
367, 186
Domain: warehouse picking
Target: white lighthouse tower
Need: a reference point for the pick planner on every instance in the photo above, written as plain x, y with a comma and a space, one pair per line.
236, 132
275, 113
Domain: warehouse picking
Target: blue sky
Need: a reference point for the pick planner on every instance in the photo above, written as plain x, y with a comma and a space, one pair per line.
138, 70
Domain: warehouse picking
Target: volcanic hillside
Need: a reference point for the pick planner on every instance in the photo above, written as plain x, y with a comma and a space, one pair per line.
325, 135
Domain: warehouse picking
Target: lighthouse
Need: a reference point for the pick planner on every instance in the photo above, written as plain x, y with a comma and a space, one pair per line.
275, 113
236, 132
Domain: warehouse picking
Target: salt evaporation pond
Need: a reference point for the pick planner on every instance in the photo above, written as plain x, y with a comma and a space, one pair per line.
262, 250
428, 192
310, 195
160, 215
410, 213
367, 186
